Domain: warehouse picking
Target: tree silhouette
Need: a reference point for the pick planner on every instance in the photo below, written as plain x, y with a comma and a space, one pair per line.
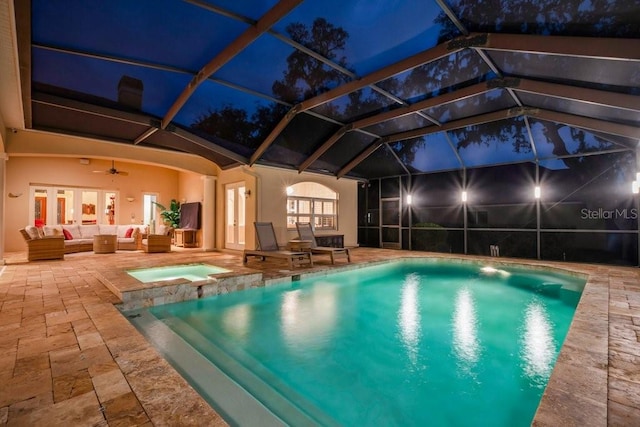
231, 124
601, 18
304, 78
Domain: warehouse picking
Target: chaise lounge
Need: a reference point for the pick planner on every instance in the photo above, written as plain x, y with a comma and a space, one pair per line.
268, 248
305, 233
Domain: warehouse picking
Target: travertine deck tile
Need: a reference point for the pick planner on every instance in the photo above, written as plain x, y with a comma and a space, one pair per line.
71, 385
110, 385
24, 387
80, 410
125, 410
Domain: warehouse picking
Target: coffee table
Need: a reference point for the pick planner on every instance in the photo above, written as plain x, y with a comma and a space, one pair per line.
104, 243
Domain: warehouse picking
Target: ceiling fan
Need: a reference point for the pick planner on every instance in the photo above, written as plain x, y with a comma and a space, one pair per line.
112, 170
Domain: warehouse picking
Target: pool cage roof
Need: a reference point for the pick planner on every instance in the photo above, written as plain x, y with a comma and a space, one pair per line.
350, 88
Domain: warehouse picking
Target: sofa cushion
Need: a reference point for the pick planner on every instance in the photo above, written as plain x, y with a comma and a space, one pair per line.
88, 231
108, 229
163, 230
122, 231
128, 233
67, 234
32, 231
52, 230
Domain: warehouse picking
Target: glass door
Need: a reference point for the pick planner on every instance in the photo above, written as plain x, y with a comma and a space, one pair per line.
235, 216
89, 203
40, 207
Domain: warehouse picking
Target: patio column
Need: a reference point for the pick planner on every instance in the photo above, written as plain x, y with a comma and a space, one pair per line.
209, 213
3, 187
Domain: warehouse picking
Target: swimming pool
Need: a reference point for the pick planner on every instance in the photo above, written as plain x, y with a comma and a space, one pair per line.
192, 272
407, 343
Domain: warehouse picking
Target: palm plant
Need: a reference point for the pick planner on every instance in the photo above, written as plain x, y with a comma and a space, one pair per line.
171, 216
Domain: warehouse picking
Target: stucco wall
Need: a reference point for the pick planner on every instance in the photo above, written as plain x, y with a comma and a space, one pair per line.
272, 206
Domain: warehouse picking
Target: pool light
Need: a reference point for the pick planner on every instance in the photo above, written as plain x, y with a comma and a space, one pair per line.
488, 270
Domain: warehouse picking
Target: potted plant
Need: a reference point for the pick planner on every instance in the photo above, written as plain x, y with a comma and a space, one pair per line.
171, 216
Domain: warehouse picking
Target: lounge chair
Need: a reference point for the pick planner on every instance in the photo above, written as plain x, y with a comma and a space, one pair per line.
305, 233
268, 248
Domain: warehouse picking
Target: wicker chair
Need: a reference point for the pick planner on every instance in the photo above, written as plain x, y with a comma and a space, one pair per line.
158, 242
42, 248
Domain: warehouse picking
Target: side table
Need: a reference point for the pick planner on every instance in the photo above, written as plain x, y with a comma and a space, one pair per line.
185, 237
104, 243
296, 245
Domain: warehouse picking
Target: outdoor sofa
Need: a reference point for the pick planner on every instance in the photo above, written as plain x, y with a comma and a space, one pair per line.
79, 238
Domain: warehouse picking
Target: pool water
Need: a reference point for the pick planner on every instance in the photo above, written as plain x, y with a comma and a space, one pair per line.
192, 272
406, 343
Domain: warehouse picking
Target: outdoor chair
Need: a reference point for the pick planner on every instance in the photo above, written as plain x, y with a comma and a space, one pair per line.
305, 233
42, 248
159, 242
268, 248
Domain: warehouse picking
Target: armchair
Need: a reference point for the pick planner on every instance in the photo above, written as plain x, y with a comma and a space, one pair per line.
157, 242
42, 248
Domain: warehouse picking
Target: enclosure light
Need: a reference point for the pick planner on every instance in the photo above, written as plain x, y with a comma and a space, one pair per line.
634, 187
464, 197
536, 192
289, 191
409, 199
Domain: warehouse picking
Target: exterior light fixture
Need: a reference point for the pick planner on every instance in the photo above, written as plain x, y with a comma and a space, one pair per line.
409, 199
536, 192
464, 197
289, 190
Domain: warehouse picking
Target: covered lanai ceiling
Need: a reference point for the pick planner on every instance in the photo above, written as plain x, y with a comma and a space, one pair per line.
351, 88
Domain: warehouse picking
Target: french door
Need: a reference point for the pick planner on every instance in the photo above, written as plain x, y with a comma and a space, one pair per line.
235, 215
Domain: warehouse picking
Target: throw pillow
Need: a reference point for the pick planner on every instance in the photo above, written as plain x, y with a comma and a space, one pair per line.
67, 234
129, 232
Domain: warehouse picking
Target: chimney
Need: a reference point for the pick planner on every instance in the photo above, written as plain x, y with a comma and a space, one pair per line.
130, 92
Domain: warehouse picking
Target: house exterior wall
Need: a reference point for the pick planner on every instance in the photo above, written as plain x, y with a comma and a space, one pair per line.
267, 201
273, 201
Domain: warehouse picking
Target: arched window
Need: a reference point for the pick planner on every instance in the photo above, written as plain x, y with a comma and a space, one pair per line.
314, 203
